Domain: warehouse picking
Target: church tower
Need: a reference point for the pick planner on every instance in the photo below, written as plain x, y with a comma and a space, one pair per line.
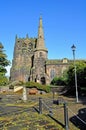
30, 62
40, 56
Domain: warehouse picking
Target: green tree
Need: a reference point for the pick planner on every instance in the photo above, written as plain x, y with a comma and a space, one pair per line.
81, 74
61, 81
81, 78
68, 78
3, 63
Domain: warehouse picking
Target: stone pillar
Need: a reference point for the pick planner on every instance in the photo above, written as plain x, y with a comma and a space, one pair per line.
24, 94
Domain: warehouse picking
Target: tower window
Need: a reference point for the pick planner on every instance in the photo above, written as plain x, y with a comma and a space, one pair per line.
40, 54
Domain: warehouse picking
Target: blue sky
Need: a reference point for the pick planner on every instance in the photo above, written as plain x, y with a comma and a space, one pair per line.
64, 23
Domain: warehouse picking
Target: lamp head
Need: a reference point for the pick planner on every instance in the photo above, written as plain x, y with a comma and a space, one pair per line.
73, 47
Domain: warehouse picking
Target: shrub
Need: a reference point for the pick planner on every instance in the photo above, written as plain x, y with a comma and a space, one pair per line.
58, 81
32, 84
3, 80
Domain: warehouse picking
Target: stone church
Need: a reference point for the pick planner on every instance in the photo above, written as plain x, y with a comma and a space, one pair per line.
30, 60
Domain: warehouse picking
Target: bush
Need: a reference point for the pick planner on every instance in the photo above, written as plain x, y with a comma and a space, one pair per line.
3, 80
32, 84
58, 81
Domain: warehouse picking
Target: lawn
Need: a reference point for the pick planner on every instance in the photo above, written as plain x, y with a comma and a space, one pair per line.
17, 115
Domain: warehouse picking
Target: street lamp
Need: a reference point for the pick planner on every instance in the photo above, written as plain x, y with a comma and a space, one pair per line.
73, 49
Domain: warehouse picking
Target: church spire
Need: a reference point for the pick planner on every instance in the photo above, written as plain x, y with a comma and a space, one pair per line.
40, 30
40, 41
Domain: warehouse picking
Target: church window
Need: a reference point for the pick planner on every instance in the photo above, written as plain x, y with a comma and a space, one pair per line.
40, 54
30, 46
24, 44
52, 74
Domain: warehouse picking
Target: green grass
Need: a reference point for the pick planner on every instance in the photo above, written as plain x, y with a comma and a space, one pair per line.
32, 120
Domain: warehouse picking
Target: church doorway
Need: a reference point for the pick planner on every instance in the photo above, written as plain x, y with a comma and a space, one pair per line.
43, 81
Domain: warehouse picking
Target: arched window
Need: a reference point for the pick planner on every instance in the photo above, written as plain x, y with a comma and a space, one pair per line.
43, 81
52, 74
30, 47
40, 54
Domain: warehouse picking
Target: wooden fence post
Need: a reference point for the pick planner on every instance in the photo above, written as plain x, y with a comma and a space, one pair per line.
66, 116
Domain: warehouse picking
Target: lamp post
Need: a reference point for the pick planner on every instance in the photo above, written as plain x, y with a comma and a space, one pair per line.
73, 49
